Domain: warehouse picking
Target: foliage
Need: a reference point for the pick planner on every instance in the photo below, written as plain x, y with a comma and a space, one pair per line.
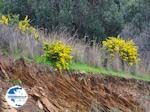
4, 20
34, 32
14, 20
23, 25
1, 5
92, 18
58, 53
137, 14
127, 50
84, 68
9, 19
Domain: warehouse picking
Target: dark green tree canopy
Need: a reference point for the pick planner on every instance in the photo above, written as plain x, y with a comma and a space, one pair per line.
94, 18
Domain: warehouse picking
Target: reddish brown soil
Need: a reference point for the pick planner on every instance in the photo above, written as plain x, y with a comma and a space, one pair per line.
50, 91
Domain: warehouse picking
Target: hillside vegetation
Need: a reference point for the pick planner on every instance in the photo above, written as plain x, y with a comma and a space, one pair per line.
59, 49
76, 55
90, 20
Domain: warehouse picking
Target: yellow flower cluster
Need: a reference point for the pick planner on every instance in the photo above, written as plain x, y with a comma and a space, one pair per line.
23, 25
127, 50
58, 53
4, 20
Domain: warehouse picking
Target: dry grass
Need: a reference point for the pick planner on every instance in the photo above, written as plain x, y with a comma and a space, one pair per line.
142, 39
12, 41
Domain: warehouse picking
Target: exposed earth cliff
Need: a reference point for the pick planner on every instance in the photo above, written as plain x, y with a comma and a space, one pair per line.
50, 91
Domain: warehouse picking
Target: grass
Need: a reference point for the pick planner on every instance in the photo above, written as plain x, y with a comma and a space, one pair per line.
20, 48
89, 69
84, 68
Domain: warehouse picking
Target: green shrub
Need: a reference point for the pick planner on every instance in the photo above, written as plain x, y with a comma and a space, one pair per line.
14, 20
58, 53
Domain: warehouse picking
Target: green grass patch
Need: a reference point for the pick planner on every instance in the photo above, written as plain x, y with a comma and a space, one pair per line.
100, 70
42, 60
84, 68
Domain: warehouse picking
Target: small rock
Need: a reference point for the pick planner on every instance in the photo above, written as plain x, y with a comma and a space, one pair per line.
40, 105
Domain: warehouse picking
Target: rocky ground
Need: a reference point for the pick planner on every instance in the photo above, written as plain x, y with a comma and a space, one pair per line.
50, 91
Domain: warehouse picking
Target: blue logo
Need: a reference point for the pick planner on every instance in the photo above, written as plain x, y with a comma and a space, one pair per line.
16, 96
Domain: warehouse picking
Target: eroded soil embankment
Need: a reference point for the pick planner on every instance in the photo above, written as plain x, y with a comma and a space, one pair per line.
70, 92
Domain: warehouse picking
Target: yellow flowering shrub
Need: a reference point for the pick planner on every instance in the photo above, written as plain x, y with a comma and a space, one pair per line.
58, 53
25, 26
127, 50
4, 20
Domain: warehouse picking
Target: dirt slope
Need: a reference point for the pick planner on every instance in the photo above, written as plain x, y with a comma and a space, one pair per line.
71, 92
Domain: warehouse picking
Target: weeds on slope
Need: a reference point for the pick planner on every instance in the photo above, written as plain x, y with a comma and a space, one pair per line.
16, 43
